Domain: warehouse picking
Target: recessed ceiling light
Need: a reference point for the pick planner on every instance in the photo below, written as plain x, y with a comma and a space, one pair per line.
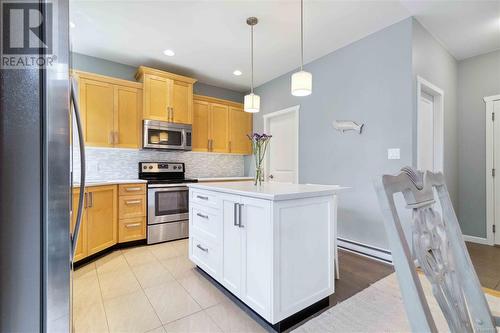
72, 25
169, 53
237, 72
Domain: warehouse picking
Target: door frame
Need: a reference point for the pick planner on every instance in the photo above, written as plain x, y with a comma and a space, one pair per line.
490, 165
267, 117
438, 117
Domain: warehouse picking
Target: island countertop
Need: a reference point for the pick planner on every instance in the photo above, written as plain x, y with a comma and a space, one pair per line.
271, 190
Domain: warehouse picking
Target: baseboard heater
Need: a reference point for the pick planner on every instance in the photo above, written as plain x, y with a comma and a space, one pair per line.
365, 250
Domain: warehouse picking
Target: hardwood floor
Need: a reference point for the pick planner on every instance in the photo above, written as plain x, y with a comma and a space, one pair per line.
486, 261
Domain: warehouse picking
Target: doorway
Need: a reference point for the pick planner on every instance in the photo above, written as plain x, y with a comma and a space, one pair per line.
492, 161
282, 160
430, 126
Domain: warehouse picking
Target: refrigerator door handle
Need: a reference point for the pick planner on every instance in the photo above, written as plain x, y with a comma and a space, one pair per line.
76, 231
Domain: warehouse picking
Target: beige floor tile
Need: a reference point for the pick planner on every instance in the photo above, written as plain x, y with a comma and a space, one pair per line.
131, 313
111, 262
230, 318
203, 292
158, 330
164, 251
199, 322
171, 301
182, 247
83, 270
86, 290
179, 266
90, 319
152, 274
139, 256
117, 283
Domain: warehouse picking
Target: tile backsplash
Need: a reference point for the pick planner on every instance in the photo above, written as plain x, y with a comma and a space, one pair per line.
115, 163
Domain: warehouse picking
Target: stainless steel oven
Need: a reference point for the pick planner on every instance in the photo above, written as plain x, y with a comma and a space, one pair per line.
168, 136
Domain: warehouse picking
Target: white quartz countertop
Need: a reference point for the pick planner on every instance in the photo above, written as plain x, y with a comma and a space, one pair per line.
223, 179
271, 191
111, 182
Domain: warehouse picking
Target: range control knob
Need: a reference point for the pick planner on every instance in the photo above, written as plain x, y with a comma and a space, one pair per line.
145, 167
151, 167
175, 167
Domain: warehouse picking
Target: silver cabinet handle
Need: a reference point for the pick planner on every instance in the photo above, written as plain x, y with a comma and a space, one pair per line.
202, 197
133, 225
235, 222
132, 189
116, 138
133, 202
111, 138
172, 108
91, 200
239, 216
202, 216
202, 248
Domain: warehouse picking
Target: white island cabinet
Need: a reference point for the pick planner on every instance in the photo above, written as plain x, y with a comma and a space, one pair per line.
272, 246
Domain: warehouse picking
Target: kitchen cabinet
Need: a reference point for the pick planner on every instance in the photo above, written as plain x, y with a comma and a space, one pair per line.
101, 218
81, 245
167, 96
220, 126
111, 110
131, 212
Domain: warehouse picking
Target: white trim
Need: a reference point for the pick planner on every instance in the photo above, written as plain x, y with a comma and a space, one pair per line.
490, 164
478, 240
438, 113
369, 251
295, 109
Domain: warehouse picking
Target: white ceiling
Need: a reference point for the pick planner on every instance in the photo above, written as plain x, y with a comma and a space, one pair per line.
211, 38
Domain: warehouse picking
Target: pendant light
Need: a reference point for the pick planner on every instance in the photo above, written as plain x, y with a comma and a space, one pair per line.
252, 101
301, 80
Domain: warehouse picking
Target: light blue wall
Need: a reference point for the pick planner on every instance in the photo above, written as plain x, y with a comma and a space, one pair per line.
434, 63
110, 68
370, 82
477, 77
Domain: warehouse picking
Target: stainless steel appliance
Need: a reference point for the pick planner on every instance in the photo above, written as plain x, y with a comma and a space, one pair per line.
168, 136
35, 180
168, 200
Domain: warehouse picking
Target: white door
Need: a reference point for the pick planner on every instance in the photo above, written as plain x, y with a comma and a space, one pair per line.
231, 235
283, 151
425, 132
496, 166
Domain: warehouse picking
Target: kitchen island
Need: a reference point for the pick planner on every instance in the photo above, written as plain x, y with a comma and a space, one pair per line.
272, 246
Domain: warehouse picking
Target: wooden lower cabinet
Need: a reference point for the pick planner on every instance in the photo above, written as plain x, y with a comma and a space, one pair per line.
102, 217
132, 229
81, 245
132, 212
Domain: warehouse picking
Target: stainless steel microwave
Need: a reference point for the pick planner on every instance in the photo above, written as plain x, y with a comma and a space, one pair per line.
164, 135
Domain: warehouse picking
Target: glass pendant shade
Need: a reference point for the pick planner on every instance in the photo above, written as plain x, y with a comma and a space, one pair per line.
252, 103
301, 83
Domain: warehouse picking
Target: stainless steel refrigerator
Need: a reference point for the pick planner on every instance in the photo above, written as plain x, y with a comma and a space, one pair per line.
35, 182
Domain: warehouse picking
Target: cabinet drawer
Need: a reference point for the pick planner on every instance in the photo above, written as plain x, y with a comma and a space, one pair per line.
205, 220
206, 255
132, 189
131, 229
132, 206
204, 198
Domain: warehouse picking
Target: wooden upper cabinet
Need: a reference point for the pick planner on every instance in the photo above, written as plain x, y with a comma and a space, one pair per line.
201, 126
81, 245
240, 125
102, 218
167, 96
219, 126
111, 110
97, 107
128, 117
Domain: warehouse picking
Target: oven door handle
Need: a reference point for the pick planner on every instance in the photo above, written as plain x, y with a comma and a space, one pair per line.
162, 188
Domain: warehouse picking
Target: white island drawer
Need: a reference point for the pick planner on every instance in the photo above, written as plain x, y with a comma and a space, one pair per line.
206, 221
206, 255
204, 198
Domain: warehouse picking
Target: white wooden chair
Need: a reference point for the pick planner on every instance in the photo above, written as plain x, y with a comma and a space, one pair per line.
439, 249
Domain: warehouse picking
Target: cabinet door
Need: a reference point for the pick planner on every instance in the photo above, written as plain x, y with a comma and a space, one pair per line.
219, 128
182, 102
240, 126
200, 126
101, 218
157, 97
81, 245
231, 256
128, 113
97, 107
256, 254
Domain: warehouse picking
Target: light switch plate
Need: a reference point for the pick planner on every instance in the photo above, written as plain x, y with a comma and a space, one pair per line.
393, 154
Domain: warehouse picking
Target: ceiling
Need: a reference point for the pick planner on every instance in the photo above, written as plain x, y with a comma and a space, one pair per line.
211, 38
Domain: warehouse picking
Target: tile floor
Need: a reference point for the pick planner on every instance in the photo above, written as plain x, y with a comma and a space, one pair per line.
152, 289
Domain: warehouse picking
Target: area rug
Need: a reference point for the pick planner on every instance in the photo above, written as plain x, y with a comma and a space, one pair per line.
378, 308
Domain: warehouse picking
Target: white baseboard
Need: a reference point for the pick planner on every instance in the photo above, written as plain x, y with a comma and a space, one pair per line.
479, 240
365, 250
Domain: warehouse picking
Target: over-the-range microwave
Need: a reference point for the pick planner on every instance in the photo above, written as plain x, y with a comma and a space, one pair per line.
164, 135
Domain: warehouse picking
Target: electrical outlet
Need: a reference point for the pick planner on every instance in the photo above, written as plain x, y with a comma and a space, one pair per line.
393, 154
